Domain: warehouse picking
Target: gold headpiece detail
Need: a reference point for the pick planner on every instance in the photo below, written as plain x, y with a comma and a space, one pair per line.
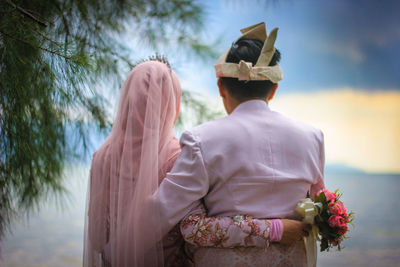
245, 71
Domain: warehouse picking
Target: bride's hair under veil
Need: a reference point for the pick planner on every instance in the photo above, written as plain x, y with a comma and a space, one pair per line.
125, 170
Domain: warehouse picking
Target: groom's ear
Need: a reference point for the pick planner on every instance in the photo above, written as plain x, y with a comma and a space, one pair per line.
222, 89
272, 92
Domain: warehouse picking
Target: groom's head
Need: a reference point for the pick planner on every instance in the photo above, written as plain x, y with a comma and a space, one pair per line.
234, 91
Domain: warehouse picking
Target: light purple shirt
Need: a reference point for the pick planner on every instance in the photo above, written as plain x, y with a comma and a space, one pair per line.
254, 161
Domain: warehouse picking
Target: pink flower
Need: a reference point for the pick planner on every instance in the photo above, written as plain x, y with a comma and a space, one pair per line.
340, 203
328, 194
336, 221
336, 209
345, 216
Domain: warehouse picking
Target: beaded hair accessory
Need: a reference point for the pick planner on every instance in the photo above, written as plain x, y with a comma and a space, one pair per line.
245, 71
156, 57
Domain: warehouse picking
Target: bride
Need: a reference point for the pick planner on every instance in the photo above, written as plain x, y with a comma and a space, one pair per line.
128, 168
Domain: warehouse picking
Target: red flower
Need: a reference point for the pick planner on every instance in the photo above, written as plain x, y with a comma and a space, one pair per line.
343, 231
337, 221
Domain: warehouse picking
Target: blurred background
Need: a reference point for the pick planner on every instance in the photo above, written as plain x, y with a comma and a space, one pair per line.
62, 64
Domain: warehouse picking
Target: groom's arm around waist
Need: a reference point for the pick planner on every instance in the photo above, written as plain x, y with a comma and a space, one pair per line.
184, 185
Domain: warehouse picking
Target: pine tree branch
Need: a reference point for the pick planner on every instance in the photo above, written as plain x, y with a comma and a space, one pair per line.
38, 47
48, 38
26, 13
109, 51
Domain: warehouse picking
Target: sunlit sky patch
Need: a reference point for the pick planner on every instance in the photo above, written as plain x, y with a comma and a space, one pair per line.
361, 128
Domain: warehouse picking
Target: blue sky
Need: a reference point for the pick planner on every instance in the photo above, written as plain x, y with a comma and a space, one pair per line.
325, 44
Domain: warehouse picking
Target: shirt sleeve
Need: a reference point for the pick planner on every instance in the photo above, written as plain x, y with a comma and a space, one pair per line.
184, 186
315, 188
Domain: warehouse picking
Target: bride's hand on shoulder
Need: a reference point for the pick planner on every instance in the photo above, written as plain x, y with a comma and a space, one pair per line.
294, 231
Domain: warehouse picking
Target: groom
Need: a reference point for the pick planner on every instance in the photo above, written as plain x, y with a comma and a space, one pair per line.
254, 161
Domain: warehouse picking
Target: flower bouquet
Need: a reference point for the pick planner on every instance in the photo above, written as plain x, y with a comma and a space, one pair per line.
332, 219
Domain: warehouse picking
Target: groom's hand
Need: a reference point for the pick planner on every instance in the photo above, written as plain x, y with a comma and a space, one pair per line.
294, 231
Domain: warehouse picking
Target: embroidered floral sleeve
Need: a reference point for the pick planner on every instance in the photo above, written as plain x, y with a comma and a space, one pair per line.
226, 232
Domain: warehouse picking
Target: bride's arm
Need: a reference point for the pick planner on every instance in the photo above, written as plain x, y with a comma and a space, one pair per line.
236, 231
239, 231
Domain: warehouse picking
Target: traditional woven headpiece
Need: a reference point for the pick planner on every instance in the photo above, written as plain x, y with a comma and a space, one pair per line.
245, 71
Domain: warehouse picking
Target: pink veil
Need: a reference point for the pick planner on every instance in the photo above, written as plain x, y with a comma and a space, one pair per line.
125, 170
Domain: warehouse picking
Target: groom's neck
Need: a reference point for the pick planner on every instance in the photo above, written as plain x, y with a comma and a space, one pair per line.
234, 103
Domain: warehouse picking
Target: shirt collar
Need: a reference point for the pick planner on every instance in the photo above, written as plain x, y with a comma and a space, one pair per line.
254, 105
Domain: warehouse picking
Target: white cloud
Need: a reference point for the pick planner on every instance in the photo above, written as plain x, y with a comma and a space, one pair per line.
340, 48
